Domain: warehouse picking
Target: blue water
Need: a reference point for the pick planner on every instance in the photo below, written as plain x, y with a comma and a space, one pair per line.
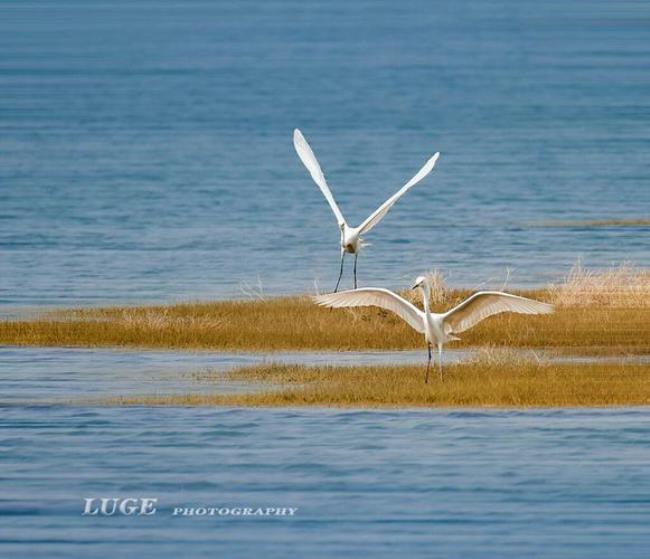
145, 147
145, 155
376, 484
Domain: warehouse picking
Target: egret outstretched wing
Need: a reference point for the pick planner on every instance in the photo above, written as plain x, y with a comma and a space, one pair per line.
487, 303
309, 160
376, 297
382, 210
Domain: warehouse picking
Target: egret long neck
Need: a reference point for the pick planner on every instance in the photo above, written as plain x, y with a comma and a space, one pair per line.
425, 300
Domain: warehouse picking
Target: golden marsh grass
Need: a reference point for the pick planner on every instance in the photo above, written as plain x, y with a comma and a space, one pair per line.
601, 313
480, 383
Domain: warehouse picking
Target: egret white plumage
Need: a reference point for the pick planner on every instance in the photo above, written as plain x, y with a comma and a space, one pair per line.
351, 240
438, 328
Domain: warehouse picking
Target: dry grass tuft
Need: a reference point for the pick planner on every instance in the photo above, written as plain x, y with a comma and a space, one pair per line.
617, 287
439, 292
441, 295
494, 356
482, 383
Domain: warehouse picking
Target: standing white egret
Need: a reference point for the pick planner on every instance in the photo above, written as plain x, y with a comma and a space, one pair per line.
438, 328
351, 240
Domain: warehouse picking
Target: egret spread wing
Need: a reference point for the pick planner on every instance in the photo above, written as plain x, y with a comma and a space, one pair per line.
376, 297
487, 303
309, 160
382, 210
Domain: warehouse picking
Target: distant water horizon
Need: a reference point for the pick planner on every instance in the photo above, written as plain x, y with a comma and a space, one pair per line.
146, 150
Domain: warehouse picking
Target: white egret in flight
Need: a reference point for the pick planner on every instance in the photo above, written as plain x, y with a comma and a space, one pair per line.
351, 240
438, 328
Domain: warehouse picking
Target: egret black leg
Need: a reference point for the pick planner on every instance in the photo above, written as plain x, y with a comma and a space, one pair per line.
356, 255
340, 272
440, 359
426, 374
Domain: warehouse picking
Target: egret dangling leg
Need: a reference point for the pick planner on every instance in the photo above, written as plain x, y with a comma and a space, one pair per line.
356, 255
426, 375
440, 359
340, 272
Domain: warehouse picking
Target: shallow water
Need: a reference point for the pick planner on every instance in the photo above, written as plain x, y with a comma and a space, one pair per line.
44, 375
47, 375
146, 146
30, 375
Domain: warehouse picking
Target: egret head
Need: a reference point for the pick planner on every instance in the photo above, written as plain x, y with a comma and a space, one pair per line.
420, 282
